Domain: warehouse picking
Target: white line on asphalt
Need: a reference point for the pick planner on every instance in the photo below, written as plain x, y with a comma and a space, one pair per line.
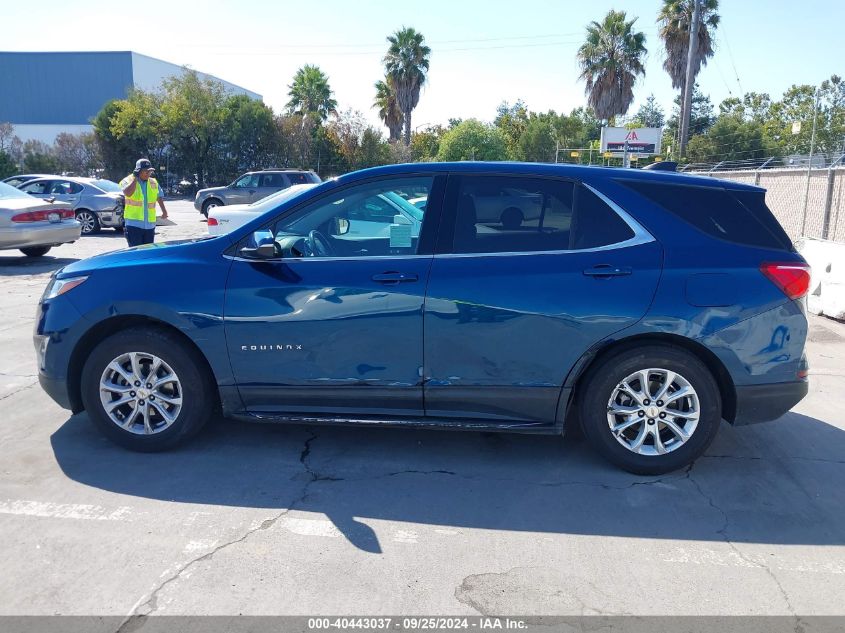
63, 510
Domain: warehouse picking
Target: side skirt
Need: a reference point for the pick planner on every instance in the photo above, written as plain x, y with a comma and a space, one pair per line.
536, 428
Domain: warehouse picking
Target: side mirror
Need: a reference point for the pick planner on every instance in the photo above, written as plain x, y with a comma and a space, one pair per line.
340, 226
262, 246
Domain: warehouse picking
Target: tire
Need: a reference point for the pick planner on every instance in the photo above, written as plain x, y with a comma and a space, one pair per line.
512, 218
36, 251
89, 221
193, 390
209, 204
603, 387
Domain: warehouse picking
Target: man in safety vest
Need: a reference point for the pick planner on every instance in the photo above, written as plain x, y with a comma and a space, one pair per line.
139, 212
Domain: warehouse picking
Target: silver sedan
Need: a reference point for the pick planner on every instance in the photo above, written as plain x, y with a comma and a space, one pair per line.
34, 226
97, 203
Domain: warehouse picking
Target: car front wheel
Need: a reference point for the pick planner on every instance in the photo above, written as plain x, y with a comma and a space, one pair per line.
146, 390
651, 409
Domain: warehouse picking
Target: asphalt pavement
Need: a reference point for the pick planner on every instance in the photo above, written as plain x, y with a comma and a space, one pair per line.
252, 519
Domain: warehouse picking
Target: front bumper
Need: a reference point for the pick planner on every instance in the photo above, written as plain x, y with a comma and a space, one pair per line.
40, 234
762, 403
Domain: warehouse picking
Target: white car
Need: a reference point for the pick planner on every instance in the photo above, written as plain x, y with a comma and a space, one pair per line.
368, 218
34, 226
224, 219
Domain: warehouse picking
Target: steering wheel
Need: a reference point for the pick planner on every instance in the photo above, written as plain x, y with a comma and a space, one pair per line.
318, 245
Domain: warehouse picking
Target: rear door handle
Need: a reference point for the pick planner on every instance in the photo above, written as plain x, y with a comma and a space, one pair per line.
394, 277
606, 270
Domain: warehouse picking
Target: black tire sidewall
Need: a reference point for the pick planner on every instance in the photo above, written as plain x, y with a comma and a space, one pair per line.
36, 251
195, 385
600, 384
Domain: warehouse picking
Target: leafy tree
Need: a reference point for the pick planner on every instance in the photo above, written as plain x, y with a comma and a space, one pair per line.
138, 123
426, 143
38, 158
407, 64
675, 20
512, 120
118, 153
650, 114
310, 93
730, 138
8, 167
539, 141
472, 140
77, 153
249, 136
192, 114
611, 59
388, 108
701, 114
590, 126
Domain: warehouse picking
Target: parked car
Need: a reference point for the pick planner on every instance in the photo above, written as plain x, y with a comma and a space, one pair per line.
642, 306
34, 226
371, 217
97, 203
251, 187
17, 181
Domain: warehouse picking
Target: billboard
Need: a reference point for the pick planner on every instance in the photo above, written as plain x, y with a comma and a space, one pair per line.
641, 140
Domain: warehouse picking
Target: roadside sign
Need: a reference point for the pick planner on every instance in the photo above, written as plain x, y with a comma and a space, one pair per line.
608, 154
641, 140
574, 154
796, 127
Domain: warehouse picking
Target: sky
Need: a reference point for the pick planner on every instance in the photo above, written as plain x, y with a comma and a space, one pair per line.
483, 52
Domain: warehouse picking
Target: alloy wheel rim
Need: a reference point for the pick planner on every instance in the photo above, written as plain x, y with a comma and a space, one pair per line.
141, 393
653, 411
87, 221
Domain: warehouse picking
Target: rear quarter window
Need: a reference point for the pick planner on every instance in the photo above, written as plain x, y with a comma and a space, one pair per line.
741, 217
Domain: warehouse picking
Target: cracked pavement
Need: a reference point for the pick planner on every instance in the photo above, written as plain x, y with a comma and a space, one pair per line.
261, 519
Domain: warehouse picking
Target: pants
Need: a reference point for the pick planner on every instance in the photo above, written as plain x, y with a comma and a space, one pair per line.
136, 236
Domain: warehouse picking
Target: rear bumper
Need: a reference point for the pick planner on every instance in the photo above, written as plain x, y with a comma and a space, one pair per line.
762, 403
40, 234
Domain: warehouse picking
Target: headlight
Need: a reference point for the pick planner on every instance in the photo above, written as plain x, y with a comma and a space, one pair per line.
58, 287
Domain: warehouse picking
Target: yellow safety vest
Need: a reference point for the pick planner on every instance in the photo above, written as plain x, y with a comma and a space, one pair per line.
134, 205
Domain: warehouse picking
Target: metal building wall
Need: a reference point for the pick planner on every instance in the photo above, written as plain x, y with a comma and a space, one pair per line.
61, 88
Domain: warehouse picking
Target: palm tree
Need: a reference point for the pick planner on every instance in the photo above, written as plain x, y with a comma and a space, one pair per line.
388, 108
310, 93
674, 20
611, 60
406, 63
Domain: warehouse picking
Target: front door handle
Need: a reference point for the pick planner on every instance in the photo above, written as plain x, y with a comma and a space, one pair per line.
606, 270
394, 277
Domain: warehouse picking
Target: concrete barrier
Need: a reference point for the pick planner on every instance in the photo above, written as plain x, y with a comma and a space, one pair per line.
827, 282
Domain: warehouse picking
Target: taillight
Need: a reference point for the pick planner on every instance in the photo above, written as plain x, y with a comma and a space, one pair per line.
792, 278
42, 216
212, 222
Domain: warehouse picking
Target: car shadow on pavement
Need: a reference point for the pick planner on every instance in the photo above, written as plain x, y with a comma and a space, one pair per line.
777, 483
23, 265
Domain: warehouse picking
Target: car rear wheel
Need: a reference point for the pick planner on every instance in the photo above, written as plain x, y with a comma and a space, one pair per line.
651, 409
208, 205
36, 251
146, 390
89, 221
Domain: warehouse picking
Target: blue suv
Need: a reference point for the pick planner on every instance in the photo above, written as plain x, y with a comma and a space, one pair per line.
643, 307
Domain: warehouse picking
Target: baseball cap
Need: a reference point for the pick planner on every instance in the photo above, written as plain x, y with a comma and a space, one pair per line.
143, 163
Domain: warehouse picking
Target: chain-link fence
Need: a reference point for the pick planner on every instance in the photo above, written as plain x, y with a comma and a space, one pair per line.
808, 203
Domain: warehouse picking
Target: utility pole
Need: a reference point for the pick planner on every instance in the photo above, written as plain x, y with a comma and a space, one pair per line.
810, 161
686, 102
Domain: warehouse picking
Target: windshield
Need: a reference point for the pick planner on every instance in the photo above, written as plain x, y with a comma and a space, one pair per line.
8, 191
284, 194
106, 185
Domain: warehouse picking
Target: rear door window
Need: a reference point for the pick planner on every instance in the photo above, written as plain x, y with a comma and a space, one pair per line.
502, 214
734, 216
39, 187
